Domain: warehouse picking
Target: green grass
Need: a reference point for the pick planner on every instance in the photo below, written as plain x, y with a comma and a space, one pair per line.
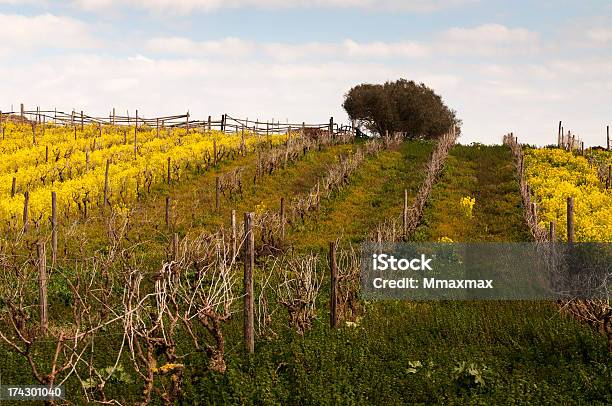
487, 174
376, 192
525, 352
523, 358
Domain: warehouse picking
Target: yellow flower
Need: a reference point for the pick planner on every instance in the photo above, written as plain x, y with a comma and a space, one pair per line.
467, 206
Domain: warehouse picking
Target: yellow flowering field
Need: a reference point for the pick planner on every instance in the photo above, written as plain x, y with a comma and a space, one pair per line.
72, 163
554, 175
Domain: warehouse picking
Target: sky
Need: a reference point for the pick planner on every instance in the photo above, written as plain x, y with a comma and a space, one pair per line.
504, 66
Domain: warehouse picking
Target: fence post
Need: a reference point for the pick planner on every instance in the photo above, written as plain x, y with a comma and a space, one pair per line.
552, 233
168, 170
608, 136
42, 286
209, 123
22, 110
249, 263
81, 120
53, 229
106, 183
187, 122
559, 135
282, 217
570, 220
26, 202
135, 142
175, 247
234, 239
214, 151
405, 214
333, 302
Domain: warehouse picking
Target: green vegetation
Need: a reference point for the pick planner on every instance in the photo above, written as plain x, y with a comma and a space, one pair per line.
399, 352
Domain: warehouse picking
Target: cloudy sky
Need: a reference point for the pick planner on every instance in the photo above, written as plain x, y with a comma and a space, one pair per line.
505, 66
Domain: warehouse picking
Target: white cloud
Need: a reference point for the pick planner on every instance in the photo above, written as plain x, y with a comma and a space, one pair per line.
185, 46
238, 48
186, 6
600, 35
491, 98
488, 39
20, 33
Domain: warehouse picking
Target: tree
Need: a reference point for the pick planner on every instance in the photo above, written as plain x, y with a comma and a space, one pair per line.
401, 106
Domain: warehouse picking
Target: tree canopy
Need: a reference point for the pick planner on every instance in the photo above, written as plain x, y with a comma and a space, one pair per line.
400, 106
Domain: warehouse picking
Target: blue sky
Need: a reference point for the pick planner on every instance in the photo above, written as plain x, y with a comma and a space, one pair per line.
503, 65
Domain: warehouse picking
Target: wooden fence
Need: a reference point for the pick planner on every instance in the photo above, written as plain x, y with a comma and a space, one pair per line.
225, 123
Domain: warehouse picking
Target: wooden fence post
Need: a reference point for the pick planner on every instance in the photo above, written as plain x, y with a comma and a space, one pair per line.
106, 183
282, 217
22, 110
209, 123
552, 233
333, 302
217, 193
405, 214
570, 220
214, 151
42, 286
81, 120
559, 135
53, 229
169, 176
249, 264
135, 142
175, 247
608, 136
234, 237
187, 122
26, 203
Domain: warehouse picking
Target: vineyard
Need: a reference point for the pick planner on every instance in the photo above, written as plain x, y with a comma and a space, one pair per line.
169, 260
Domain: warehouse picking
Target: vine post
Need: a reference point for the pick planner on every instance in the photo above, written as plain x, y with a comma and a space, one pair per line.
570, 220
249, 264
42, 285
